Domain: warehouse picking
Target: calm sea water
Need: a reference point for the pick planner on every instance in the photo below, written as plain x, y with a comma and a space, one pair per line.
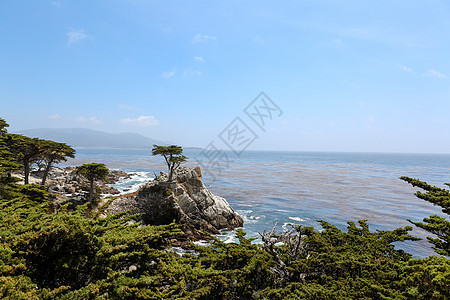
268, 188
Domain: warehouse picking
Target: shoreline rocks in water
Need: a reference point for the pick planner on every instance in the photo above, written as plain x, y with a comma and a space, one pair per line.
64, 181
185, 201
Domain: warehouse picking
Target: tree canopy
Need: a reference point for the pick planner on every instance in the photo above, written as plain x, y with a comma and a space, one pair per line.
92, 172
434, 224
7, 159
8, 163
3, 126
53, 153
173, 156
25, 149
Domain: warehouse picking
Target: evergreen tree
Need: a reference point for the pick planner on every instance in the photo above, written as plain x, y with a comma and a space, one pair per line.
53, 153
25, 149
173, 156
3, 126
92, 172
434, 224
8, 162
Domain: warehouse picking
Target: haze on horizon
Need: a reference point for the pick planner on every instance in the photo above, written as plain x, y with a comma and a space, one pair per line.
348, 76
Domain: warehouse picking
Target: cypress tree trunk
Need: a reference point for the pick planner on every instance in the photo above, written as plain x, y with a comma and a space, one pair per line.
26, 168
170, 174
46, 171
169, 169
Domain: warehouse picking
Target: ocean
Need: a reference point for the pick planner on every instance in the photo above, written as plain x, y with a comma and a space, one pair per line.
299, 188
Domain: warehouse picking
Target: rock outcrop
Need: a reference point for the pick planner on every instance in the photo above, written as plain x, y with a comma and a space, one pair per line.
65, 181
186, 200
66, 187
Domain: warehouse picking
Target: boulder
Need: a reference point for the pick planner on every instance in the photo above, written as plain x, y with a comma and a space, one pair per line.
186, 201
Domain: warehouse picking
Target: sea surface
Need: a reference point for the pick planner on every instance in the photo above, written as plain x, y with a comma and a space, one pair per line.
269, 188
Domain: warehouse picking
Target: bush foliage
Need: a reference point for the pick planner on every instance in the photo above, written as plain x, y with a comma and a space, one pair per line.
68, 256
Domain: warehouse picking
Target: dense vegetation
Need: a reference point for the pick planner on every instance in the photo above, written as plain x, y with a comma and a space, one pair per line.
435, 224
80, 255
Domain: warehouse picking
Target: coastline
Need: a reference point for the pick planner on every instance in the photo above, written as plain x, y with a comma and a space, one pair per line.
269, 187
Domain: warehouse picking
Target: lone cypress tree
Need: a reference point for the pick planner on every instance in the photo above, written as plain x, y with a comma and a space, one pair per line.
434, 224
92, 172
172, 154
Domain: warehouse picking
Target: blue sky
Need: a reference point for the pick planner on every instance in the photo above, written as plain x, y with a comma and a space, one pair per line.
348, 75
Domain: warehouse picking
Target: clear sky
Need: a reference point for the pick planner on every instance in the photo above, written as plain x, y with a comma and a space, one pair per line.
348, 75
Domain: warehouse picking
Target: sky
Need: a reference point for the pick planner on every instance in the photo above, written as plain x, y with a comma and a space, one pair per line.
359, 76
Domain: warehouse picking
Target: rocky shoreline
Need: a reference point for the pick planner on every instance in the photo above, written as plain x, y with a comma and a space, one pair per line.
64, 182
186, 200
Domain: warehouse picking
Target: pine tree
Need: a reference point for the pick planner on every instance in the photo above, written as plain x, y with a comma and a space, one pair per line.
3, 126
25, 149
173, 155
92, 172
434, 224
8, 162
53, 153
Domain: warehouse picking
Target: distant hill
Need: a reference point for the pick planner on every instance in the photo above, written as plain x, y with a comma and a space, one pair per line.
88, 138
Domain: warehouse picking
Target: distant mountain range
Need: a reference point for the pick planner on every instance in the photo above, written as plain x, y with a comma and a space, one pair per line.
88, 138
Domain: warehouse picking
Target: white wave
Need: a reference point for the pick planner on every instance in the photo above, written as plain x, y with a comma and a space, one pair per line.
289, 226
247, 220
132, 184
227, 236
298, 219
250, 219
244, 211
202, 243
